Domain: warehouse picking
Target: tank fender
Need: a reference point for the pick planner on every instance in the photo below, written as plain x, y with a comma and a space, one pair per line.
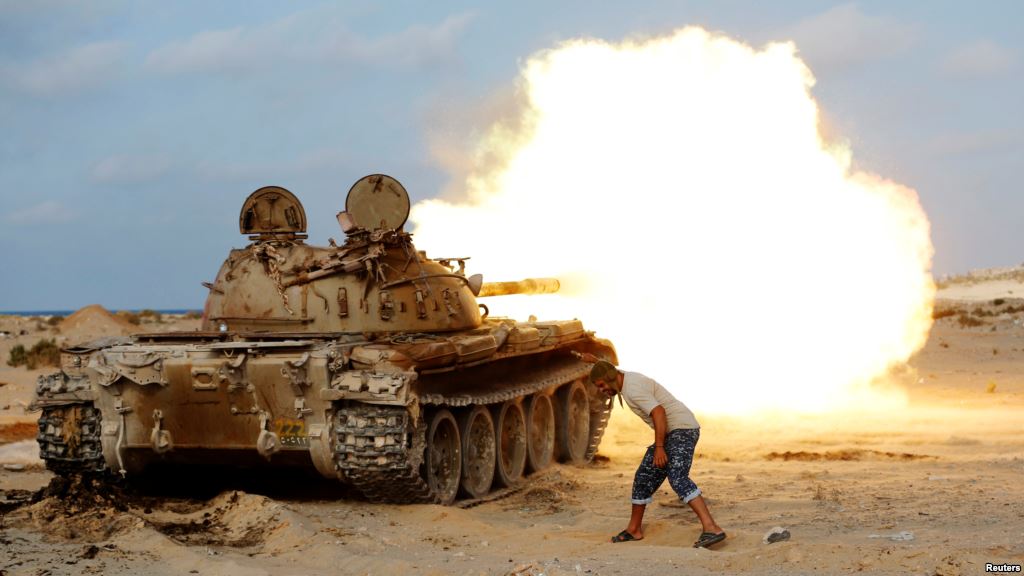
371, 387
143, 368
380, 358
58, 389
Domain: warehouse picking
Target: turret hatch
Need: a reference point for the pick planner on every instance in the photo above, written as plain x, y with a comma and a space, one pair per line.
272, 212
378, 202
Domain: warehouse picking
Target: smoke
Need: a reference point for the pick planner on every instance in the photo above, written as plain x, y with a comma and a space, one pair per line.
680, 188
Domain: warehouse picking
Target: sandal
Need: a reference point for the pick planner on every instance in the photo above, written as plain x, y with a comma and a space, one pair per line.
624, 536
708, 539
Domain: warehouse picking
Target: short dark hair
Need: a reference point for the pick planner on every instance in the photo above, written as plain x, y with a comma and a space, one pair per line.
603, 371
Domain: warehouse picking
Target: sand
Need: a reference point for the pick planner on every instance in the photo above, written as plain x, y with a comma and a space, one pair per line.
930, 488
91, 320
984, 284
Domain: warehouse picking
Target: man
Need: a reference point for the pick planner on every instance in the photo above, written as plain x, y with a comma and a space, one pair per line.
675, 436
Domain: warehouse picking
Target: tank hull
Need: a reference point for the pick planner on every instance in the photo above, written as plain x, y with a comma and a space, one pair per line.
354, 410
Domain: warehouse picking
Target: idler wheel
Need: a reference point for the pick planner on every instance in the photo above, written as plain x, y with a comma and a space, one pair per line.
478, 451
540, 432
510, 426
444, 457
573, 431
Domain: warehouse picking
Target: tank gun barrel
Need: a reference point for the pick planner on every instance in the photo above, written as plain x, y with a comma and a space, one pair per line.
525, 286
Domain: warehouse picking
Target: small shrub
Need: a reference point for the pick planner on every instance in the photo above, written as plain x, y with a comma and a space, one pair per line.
43, 353
998, 302
152, 315
54, 320
943, 313
966, 321
18, 356
131, 317
193, 315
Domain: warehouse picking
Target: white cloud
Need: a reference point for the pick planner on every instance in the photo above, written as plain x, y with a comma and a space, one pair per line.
415, 46
128, 169
844, 36
74, 70
307, 37
49, 212
981, 58
304, 163
212, 51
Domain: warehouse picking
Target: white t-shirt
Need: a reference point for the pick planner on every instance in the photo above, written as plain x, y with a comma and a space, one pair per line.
642, 394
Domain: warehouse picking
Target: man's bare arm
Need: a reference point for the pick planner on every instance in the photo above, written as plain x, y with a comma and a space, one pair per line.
660, 428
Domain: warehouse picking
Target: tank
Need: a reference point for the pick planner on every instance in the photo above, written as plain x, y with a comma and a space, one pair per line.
367, 362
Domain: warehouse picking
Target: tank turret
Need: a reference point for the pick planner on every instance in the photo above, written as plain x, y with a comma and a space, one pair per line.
375, 282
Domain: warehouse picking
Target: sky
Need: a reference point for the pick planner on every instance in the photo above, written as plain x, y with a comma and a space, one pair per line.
135, 130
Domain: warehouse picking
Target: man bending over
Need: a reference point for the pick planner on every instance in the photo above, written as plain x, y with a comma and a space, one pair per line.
675, 436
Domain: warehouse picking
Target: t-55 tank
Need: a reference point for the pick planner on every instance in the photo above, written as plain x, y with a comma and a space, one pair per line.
366, 361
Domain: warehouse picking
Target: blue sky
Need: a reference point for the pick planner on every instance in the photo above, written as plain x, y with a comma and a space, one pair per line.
134, 130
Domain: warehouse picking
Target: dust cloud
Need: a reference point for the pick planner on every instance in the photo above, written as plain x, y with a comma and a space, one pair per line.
681, 189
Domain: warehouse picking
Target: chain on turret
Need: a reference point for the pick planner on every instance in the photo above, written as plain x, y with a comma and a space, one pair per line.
69, 439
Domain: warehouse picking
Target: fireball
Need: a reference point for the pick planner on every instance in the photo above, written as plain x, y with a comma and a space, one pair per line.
682, 191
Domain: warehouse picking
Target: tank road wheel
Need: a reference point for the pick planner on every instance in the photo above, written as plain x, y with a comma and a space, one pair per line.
444, 457
573, 430
540, 432
478, 451
510, 427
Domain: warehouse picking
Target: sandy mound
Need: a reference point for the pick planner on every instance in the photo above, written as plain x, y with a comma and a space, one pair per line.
94, 321
82, 508
91, 508
233, 519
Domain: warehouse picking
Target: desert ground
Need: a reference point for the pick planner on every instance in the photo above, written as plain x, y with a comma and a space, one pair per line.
932, 487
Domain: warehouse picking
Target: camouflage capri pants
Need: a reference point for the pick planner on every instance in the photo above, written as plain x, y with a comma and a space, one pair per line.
679, 445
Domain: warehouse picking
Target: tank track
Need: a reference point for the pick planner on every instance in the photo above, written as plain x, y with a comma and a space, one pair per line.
375, 451
69, 439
